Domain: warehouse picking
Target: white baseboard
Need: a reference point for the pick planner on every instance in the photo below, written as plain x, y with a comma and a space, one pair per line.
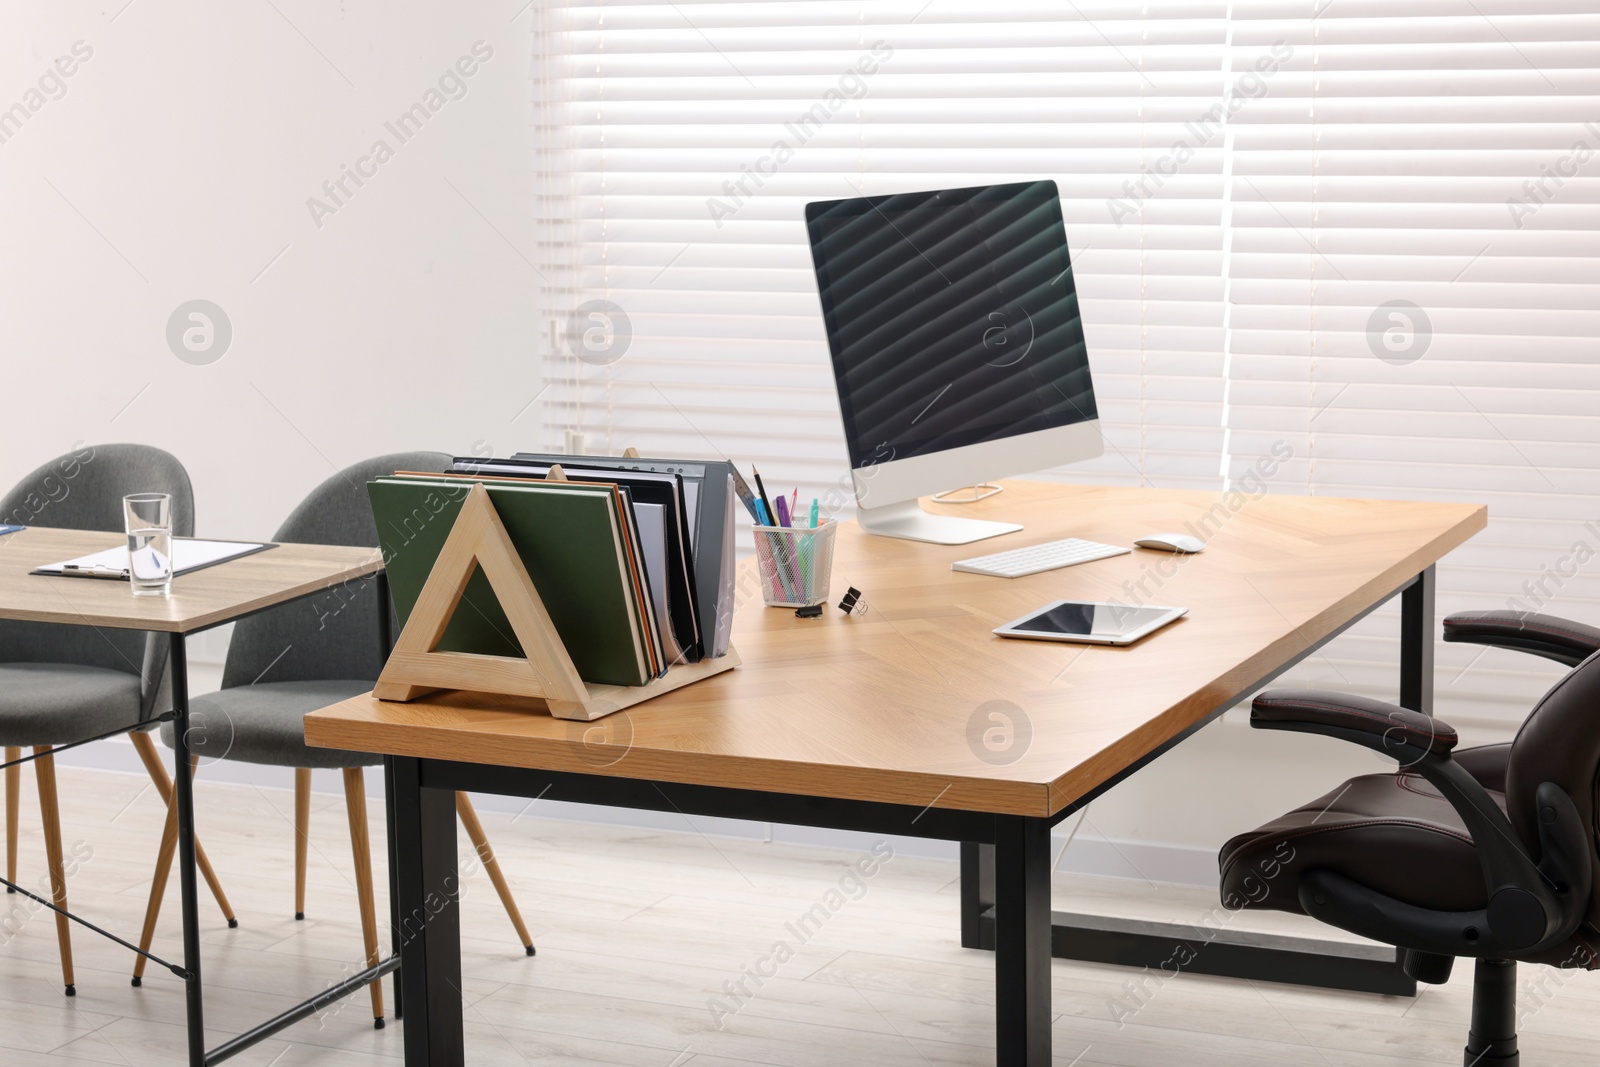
1152, 861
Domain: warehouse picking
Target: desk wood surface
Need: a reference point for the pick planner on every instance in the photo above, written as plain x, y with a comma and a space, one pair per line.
199, 599
893, 706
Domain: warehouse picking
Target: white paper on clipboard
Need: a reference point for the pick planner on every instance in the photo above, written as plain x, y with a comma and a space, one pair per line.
188, 554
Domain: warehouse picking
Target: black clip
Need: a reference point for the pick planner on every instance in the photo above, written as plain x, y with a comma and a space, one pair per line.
812, 612
848, 604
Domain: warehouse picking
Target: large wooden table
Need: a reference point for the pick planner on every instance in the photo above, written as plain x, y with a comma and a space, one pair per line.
913, 718
199, 601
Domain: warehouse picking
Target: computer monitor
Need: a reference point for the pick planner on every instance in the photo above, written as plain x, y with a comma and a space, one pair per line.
957, 347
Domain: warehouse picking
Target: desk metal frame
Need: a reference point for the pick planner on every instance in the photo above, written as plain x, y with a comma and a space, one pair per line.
183, 784
1005, 877
183, 797
1231, 954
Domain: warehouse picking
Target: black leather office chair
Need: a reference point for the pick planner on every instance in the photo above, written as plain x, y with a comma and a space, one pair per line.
1489, 853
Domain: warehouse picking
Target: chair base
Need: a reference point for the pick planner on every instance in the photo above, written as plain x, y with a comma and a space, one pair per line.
72, 990
1493, 1040
1427, 966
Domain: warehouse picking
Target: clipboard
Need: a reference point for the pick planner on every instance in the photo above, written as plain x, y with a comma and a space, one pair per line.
189, 554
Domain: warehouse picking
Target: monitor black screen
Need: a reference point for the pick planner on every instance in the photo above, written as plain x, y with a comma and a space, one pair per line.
952, 317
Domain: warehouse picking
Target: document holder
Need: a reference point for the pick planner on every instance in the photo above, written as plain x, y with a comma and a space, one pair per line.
416, 666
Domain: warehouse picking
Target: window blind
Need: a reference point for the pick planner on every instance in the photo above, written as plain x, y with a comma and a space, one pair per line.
1413, 305
693, 135
1355, 233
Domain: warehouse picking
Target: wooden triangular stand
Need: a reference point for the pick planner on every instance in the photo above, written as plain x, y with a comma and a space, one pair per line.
417, 667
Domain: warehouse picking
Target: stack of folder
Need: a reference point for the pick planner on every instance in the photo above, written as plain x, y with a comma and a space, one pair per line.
633, 559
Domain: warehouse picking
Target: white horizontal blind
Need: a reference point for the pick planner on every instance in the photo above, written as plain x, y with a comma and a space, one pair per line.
1414, 303
690, 163
1246, 186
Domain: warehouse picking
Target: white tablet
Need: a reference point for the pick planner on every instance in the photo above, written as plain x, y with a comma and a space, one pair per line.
1090, 623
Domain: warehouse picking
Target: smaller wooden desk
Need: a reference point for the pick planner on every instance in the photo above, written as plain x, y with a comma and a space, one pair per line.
880, 721
199, 601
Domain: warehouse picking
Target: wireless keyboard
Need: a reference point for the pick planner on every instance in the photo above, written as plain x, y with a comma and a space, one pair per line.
1037, 558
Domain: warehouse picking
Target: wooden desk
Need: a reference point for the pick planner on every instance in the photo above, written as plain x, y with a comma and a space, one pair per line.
199, 601
880, 721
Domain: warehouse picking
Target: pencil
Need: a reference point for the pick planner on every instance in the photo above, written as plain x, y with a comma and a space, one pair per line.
772, 516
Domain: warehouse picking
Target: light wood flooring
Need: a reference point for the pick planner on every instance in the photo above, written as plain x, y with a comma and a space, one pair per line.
637, 931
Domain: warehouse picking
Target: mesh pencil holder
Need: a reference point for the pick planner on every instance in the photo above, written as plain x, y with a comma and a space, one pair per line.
795, 563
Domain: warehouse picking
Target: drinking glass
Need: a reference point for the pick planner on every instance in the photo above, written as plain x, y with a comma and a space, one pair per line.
149, 523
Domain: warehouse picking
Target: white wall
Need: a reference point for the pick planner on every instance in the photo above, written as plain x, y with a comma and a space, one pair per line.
177, 164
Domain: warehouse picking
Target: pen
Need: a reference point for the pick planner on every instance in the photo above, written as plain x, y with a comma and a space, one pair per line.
813, 513
794, 504
95, 570
765, 503
783, 512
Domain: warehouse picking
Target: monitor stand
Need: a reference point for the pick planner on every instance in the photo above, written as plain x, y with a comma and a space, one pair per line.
909, 522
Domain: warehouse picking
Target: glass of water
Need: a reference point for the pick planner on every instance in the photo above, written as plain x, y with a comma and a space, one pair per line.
149, 522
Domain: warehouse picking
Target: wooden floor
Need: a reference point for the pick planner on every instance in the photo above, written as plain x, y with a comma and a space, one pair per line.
638, 933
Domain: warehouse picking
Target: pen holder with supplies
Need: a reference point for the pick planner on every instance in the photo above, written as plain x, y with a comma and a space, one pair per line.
796, 564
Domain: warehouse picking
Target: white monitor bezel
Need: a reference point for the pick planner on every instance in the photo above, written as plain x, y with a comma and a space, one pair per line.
895, 481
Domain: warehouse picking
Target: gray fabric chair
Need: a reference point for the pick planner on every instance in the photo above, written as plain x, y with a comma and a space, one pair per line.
285, 663
60, 683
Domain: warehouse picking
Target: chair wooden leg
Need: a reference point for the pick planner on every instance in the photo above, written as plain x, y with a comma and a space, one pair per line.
13, 804
355, 799
45, 771
480, 843
158, 888
146, 748
302, 836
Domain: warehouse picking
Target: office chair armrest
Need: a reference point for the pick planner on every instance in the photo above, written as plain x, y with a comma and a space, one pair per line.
1531, 903
1566, 642
1337, 714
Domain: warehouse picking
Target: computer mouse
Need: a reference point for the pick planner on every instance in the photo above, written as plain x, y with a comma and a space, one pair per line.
1172, 542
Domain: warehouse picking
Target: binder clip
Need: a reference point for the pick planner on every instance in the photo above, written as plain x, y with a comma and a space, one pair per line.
812, 612
848, 604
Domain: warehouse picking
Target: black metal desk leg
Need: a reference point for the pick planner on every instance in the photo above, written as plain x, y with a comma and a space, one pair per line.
1022, 941
977, 895
385, 646
430, 919
183, 782
395, 939
1416, 643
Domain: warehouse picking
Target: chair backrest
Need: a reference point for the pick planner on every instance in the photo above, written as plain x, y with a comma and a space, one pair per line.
83, 490
334, 635
1560, 742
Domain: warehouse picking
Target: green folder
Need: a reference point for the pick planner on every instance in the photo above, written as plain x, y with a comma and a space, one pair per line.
567, 538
